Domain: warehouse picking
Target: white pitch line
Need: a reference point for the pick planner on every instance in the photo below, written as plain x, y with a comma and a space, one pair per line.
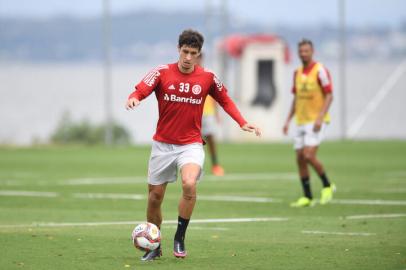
391, 190
217, 198
109, 223
143, 179
251, 176
104, 181
376, 216
367, 202
340, 233
28, 193
201, 228
109, 196
223, 198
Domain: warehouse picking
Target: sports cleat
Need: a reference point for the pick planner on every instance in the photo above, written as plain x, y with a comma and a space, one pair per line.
327, 194
302, 202
152, 254
217, 170
179, 249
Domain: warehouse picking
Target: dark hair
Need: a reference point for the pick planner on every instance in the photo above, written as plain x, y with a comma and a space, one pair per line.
191, 38
305, 41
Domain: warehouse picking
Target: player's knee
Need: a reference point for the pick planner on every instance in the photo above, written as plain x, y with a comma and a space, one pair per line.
155, 197
308, 157
189, 188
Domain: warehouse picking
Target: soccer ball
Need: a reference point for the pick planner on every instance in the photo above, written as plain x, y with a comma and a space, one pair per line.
146, 236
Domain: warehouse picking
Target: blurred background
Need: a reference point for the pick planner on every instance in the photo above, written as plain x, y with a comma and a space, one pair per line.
67, 67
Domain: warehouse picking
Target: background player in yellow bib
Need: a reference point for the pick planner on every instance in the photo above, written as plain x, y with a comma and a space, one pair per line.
312, 89
209, 127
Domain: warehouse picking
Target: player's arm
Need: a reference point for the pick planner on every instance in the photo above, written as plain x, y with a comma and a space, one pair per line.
290, 116
292, 108
132, 102
326, 106
143, 89
324, 79
219, 93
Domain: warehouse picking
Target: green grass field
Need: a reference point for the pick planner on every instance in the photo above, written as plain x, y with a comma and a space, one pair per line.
58, 206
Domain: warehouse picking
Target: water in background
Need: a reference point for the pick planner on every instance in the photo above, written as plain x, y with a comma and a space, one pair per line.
35, 96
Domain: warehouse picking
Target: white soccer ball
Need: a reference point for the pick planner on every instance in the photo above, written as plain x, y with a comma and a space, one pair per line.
146, 236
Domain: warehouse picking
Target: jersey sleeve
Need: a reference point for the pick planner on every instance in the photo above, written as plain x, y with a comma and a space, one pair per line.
148, 84
324, 80
294, 83
219, 92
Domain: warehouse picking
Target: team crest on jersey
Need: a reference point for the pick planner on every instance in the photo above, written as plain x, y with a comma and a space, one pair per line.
196, 89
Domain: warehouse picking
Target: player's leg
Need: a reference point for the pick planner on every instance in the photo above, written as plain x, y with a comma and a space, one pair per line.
189, 173
306, 200
156, 195
312, 142
216, 169
190, 163
304, 173
162, 170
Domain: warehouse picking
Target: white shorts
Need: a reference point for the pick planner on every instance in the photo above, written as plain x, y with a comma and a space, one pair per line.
166, 159
209, 125
305, 136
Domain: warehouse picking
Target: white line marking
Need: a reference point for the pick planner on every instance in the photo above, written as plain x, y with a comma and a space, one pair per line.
377, 99
10, 183
340, 233
201, 228
376, 216
104, 181
143, 179
194, 221
28, 193
109, 196
399, 173
390, 190
367, 202
252, 176
223, 198
218, 198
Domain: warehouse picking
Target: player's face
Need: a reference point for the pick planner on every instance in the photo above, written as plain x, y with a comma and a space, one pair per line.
306, 53
188, 57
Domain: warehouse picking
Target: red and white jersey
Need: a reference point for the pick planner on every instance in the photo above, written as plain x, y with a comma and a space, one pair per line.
323, 77
181, 99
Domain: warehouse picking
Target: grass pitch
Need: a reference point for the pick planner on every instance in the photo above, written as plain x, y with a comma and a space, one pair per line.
61, 208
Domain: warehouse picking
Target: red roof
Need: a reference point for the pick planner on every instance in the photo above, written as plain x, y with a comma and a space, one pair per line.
234, 45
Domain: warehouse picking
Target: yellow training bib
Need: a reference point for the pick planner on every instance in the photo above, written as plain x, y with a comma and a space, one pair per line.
309, 96
209, 106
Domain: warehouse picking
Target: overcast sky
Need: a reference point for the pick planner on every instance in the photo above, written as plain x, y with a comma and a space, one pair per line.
294, 12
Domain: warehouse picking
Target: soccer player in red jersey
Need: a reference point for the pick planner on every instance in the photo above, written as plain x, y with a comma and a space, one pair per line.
181, 89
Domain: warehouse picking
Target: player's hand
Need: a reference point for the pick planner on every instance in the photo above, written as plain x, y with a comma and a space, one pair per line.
286, 128
132, 103
317, 125
251, 128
